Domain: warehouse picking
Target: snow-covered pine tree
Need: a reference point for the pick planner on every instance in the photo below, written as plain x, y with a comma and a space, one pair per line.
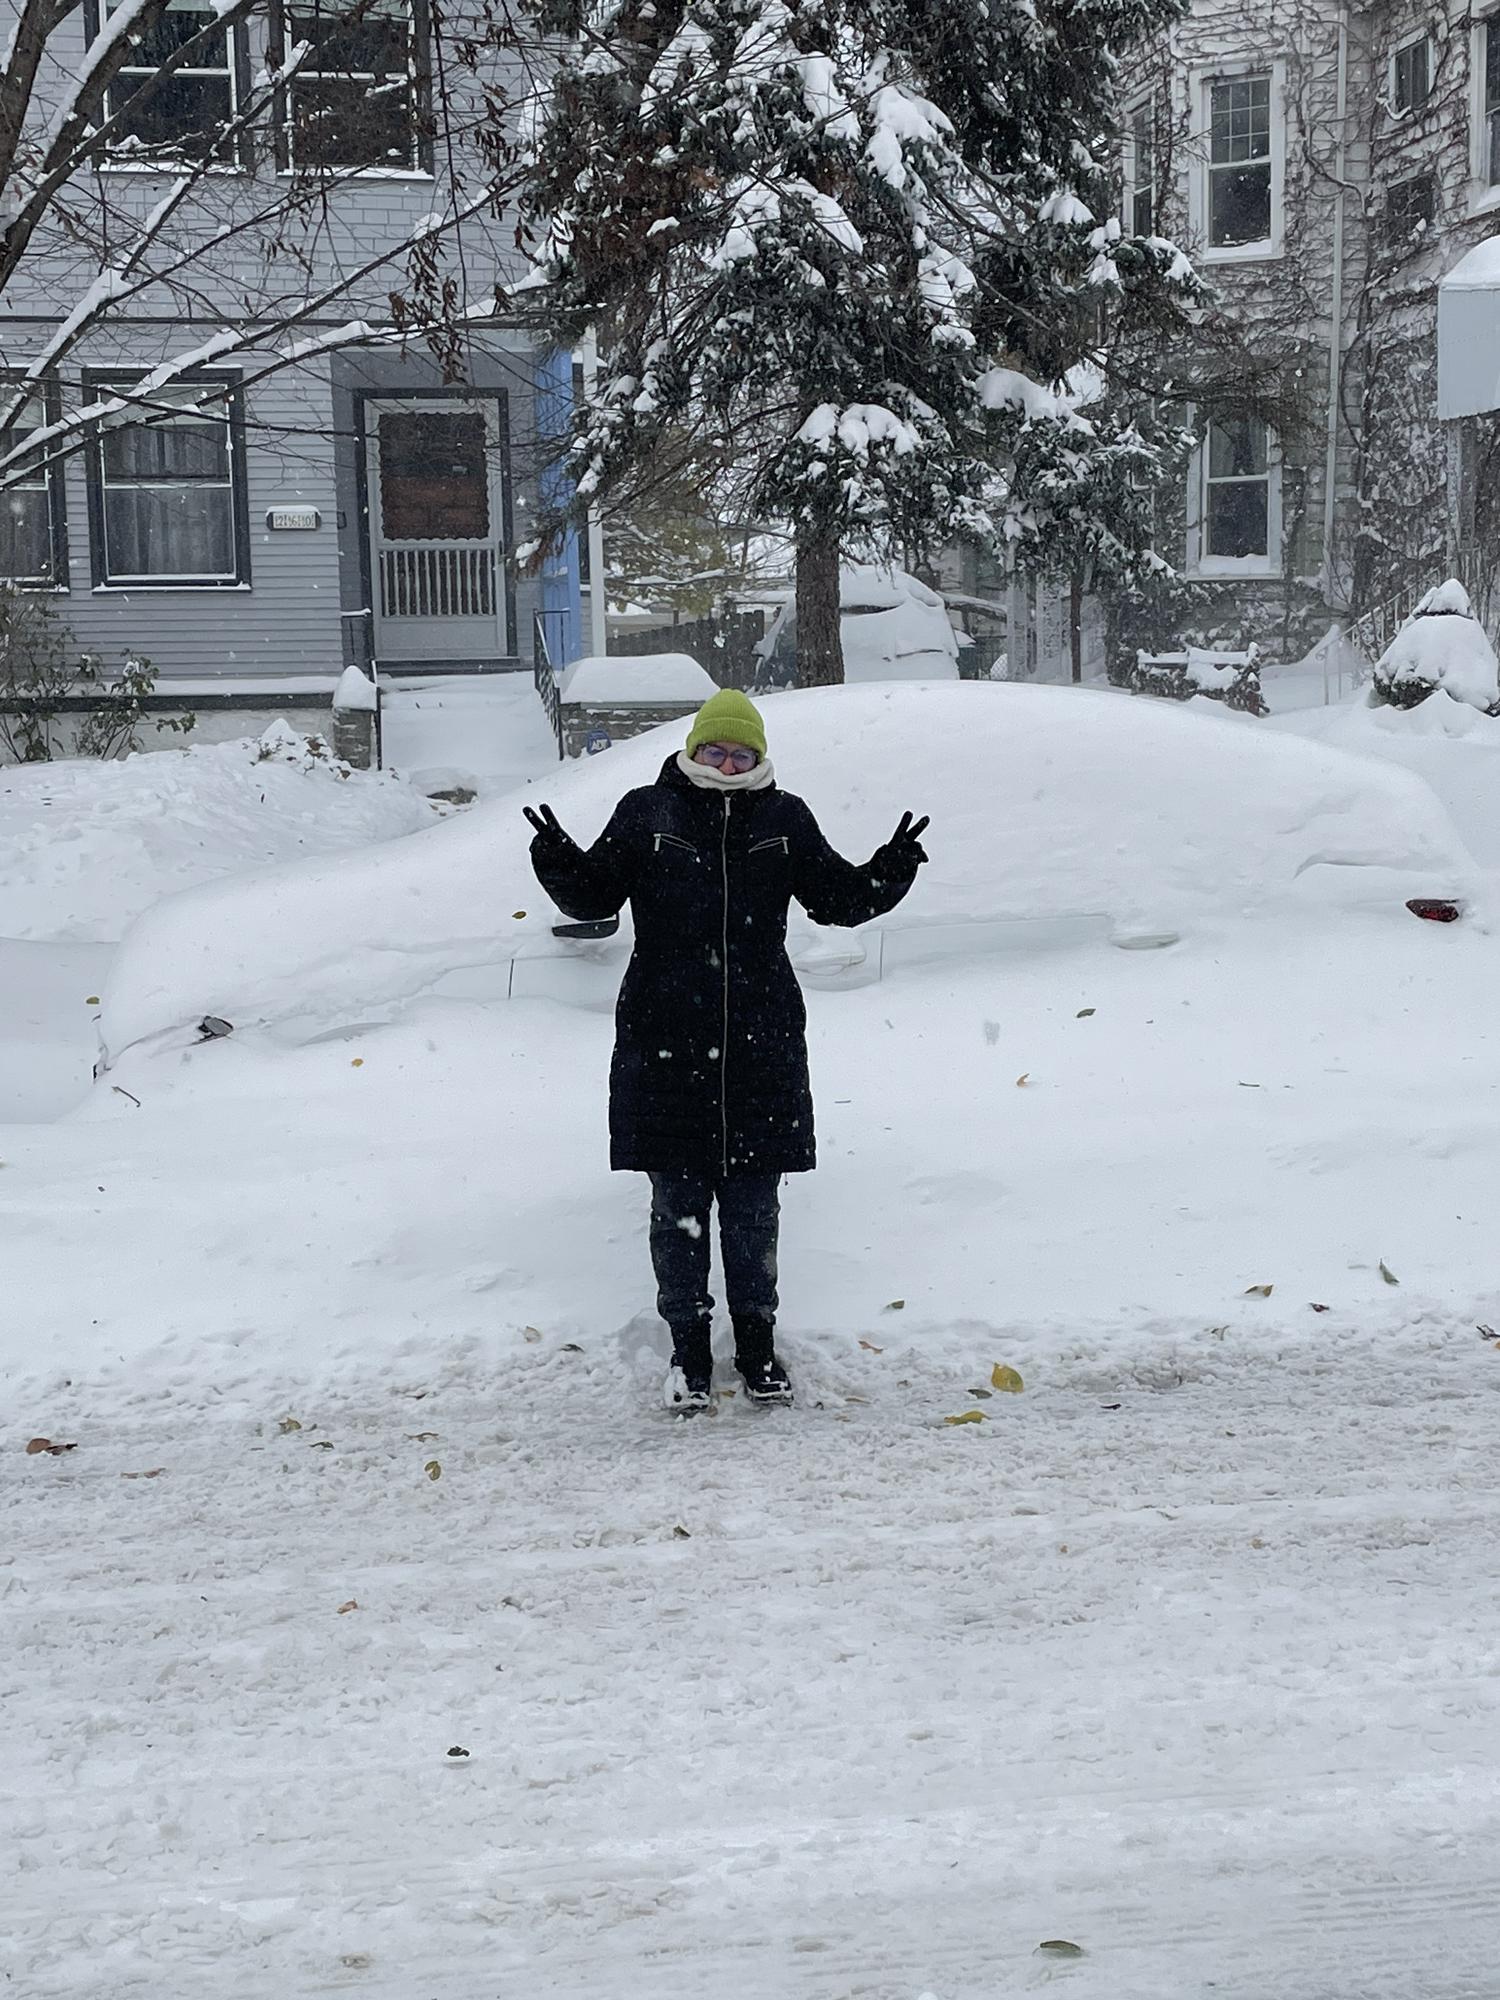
854, 243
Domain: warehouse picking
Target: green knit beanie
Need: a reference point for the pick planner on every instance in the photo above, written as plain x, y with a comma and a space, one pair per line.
728, 717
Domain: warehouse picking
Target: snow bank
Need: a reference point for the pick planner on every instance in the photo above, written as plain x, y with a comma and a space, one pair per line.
612, 680
1047, 803
86, 846
1449, 745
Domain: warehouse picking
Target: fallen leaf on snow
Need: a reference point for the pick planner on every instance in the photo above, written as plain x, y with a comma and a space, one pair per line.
894, 1306
352, 1605
1061, 1948
1389, 1275
421, 1437
1259, 1291
457, 1750
532, 1332
1007, 1379
870, 1346
982, 1394
680, 1533
1320, 1309
1083, 1013
967, 1417
288, 1424
155, 1473
357, 1062
433, 1469
35, 1445
321, 1444
1023, 1078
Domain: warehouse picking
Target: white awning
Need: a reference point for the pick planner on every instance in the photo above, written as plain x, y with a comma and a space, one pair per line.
1469, 333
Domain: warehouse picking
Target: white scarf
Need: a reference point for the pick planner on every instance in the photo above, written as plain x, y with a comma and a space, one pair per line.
712, 779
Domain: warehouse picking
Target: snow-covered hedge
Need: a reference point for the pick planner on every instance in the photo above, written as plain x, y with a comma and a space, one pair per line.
1443, 648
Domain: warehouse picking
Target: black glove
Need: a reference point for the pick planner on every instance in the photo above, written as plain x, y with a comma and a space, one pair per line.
903, 853
550, 839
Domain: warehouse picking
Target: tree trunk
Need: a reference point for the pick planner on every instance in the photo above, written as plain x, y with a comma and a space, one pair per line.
1075, 625
820, 646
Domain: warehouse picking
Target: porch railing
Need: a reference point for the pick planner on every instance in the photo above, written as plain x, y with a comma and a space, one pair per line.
545, 677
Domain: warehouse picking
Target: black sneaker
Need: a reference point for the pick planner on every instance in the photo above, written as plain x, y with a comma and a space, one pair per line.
688, 1390
766, 1381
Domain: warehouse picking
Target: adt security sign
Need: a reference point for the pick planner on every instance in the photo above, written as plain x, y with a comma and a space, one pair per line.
597, 740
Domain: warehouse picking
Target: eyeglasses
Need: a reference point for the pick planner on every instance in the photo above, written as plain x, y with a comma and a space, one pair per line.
735, 755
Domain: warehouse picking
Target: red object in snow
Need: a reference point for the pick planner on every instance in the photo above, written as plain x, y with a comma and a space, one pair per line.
1436, 909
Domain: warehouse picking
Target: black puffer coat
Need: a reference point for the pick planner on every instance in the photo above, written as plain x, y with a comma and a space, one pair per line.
710, 1066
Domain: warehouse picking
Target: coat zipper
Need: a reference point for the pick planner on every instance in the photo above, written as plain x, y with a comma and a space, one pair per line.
724, 1032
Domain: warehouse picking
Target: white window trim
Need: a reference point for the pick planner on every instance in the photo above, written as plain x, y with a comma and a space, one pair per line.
1411, 41
1483, 193
1200, 83
147, 162
1271, 564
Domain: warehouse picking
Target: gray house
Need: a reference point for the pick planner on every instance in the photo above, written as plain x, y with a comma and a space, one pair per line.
231, 449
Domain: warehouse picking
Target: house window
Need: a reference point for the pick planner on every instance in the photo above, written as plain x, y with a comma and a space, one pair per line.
1491, 84
1411, 76
167, 494
1140, 171
184, 115
32, 545
1238, 479
1410, 208
357, 103
1239, 162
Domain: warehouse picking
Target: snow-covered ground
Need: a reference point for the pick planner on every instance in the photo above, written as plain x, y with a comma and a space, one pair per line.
485, 732
85, 847
1189, 1653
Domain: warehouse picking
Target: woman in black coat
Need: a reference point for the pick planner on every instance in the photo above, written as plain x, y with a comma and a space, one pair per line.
709, 1090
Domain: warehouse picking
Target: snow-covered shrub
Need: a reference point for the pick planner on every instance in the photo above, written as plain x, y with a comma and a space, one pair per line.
1442, 646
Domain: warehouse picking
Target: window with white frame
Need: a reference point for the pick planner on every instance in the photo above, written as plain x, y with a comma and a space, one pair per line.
31, 513
1240, 168
167, 490
1240, 498
184, 114
357, 102
1411, 75
1140, 170
1489, 96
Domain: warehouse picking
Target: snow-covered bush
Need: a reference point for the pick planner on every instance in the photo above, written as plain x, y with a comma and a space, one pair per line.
1442, 646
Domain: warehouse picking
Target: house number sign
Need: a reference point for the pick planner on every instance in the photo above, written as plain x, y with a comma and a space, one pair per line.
294, 517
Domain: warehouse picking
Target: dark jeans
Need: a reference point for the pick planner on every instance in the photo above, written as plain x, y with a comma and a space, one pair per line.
749, 1211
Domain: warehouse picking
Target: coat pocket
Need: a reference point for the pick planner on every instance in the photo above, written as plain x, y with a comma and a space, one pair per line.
674, 840
765, 846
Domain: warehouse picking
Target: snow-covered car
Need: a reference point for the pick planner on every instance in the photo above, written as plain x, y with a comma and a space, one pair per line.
1058, 814
894, 628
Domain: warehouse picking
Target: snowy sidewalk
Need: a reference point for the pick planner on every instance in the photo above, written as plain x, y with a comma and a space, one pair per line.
1191, 1661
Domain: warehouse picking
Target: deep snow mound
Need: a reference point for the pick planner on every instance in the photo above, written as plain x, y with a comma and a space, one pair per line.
1045, 802
86, 846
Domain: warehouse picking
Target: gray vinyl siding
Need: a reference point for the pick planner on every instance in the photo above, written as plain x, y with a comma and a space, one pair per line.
301, 611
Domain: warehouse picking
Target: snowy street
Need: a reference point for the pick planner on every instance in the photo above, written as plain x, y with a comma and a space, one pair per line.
821, 1703
1187, 1654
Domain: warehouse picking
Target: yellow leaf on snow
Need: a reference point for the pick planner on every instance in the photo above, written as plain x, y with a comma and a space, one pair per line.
352, 1605
967, 1417
1259, 1291
1389, 1275
1005, 1378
